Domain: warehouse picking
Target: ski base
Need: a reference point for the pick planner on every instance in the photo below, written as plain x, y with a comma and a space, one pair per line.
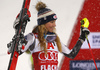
14, 61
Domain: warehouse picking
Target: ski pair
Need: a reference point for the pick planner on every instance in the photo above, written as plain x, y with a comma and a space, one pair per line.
23, 16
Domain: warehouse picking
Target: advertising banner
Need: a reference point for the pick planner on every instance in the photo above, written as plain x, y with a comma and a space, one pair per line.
94, 39
83, 65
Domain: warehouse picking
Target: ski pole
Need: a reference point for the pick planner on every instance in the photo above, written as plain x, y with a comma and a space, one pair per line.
85, 23
91, 52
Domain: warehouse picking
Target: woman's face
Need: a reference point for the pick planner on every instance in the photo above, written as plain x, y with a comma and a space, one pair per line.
50, 26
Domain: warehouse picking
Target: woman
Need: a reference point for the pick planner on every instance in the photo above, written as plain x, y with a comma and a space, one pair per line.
44, 44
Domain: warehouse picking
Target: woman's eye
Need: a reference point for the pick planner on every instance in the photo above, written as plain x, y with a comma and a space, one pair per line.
52, 22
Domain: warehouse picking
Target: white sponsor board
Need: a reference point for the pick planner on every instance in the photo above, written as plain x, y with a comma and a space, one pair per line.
94, 39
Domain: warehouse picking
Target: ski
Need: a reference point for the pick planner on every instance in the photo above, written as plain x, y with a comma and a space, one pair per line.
23, 16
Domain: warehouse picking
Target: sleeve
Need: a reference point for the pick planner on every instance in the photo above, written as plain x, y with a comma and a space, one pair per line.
73, 52
65, 49
30, 39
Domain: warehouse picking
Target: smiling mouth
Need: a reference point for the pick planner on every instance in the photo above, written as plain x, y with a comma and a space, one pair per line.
52, 28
